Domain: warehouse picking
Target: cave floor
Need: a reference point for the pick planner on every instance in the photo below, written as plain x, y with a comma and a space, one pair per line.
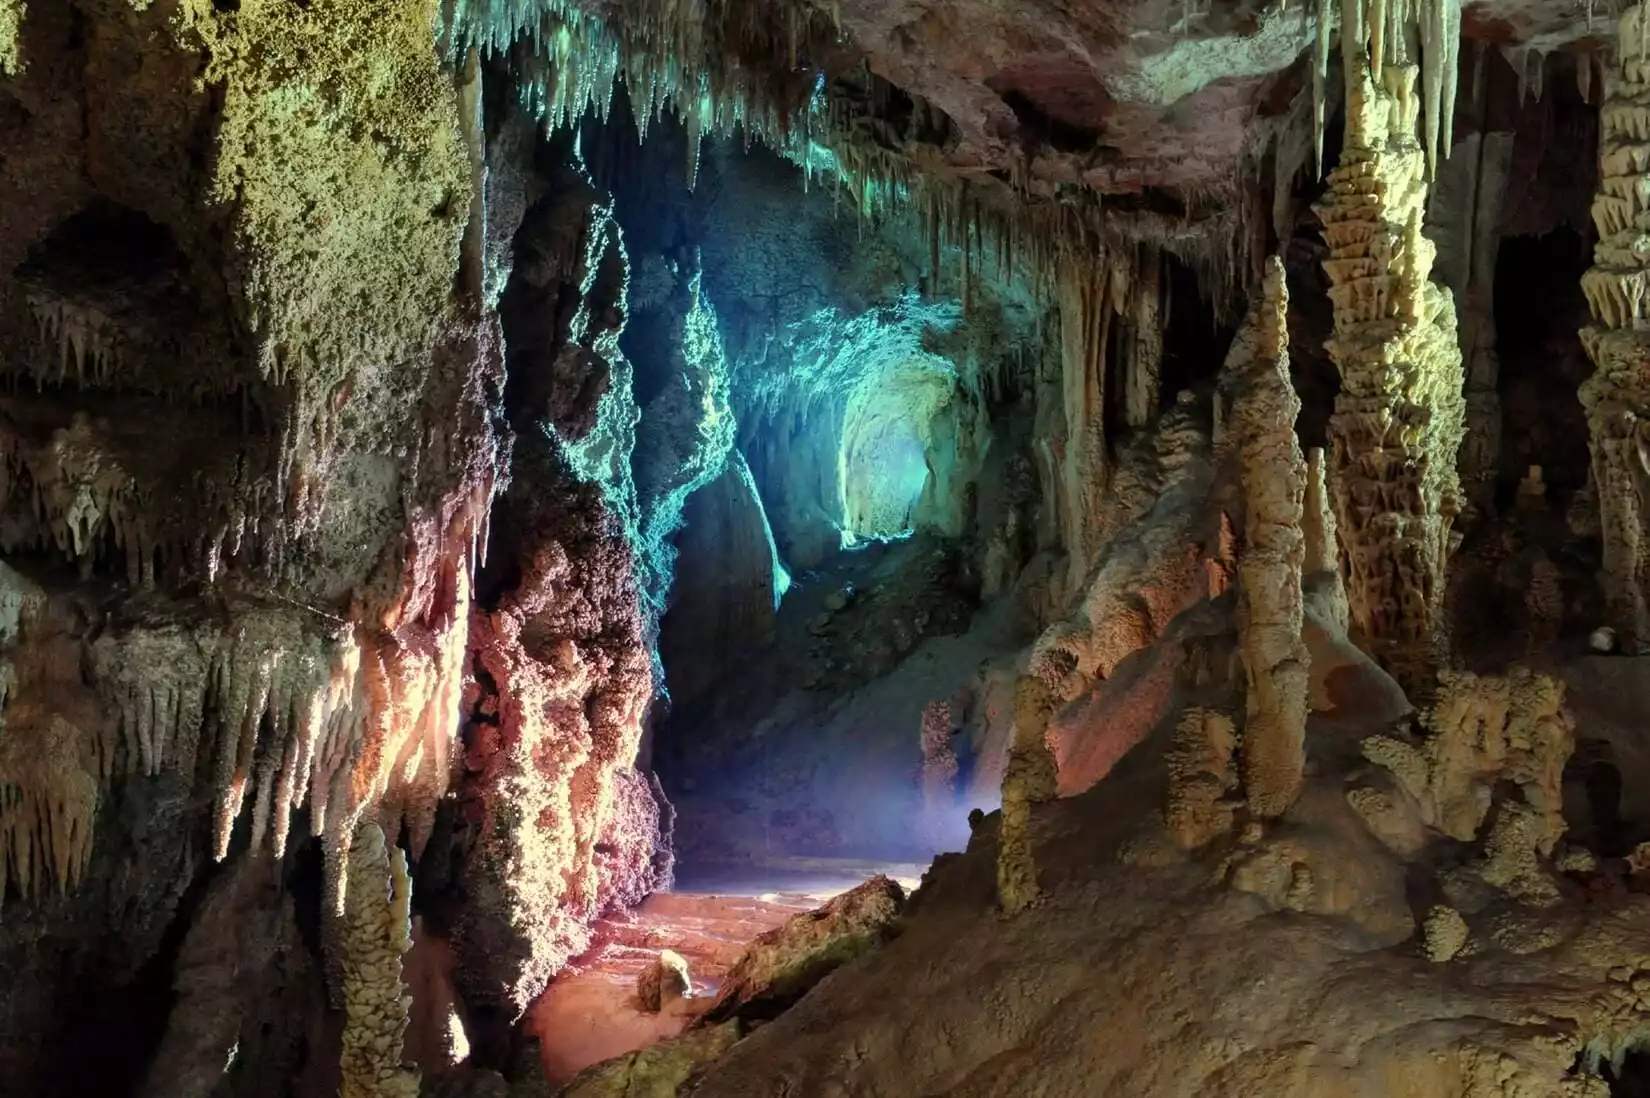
590, 1013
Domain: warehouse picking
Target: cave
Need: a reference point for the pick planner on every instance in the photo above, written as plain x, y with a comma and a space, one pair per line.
719, 550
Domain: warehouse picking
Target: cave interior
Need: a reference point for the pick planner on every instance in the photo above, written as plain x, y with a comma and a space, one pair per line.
738, 548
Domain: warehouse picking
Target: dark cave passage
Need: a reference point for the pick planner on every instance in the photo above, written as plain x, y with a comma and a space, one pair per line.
1195, 342
1539, 308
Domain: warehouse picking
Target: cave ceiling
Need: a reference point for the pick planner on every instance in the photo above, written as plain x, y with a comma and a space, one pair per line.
1161, 108
1123, 96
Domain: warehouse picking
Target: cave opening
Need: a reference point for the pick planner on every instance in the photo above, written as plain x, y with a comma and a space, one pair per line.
1632, 1078
1539, 308
1195, 338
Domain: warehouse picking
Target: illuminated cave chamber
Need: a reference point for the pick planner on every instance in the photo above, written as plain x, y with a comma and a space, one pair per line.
475, 476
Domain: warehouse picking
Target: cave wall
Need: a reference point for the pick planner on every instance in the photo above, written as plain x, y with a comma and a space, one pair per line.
257, 413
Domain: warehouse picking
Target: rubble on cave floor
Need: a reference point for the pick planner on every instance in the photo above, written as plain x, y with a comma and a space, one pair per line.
591, 1012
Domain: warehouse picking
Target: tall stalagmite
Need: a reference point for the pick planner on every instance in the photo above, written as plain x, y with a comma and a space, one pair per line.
1273, 475
1399, 416
1617, 395
377, 931
1029, 780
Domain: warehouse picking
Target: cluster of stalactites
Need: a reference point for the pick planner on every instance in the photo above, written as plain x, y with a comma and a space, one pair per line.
282, 705
1117, 295
87, 506
48, 806
86, 339
1617, 395
1400, 414
376, 932
1381, 33
671, 54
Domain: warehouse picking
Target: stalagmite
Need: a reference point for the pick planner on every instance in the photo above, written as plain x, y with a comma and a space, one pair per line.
1261, 431
1201, 777
1028, 780
1483, 731
377, 932
1399, 415
1617, 395
939, 772
1323, 563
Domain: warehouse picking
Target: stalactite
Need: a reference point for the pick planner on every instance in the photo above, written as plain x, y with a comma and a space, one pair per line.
1617, 395
1377, 31
1398, 418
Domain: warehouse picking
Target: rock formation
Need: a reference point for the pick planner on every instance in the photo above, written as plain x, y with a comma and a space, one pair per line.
939, 770
779, 967
1481, 732
1203, 783
420, 421
1322, 567
1399, 415
1028, 780
1615, 395
665, 979
377, 931
1261, 423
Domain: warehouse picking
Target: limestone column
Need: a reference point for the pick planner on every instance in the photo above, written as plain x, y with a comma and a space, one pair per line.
1144, 368
1399, 416
1617, 396
1029, 779
1078, 463
1274, 475
1464, 218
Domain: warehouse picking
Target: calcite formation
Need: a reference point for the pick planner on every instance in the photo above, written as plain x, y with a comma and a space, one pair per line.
11, 20
1486, 730
377, 932
1322, 566
1444, 934
1399, 415
1203, 782
1273, 475
1617, 395
939, 769
1029, 779
784, 964
667, 978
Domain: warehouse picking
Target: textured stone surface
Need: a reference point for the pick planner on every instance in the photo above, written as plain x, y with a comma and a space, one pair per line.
784, 964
